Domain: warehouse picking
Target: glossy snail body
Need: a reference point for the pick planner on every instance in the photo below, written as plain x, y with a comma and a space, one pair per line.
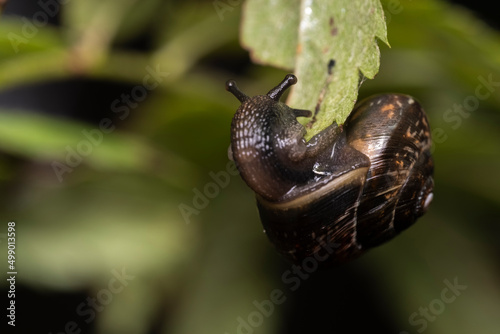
351, 187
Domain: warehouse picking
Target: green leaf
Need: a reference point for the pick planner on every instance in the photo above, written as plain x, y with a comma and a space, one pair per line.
282, 19
18, 36
341, 31
27, 57
94, 25
142, 232
68, 143
35, 66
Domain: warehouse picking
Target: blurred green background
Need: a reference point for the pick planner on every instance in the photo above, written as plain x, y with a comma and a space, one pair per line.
113, 115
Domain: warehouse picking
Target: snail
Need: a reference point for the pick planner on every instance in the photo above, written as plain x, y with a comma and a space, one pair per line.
349, 188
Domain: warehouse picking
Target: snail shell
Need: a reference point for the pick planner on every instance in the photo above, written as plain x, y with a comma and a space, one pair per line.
351, 187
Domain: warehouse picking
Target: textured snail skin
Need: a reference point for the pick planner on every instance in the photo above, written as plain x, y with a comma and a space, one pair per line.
350, 188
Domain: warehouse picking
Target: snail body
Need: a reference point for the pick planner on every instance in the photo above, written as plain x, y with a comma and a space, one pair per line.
349, 188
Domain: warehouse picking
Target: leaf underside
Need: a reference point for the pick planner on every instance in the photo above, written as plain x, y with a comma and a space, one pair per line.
307, 36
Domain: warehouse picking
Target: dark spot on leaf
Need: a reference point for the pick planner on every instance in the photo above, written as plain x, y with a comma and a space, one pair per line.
330, 66
333, 28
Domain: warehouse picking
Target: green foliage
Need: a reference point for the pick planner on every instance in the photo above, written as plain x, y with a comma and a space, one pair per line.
307, 38
120, 205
